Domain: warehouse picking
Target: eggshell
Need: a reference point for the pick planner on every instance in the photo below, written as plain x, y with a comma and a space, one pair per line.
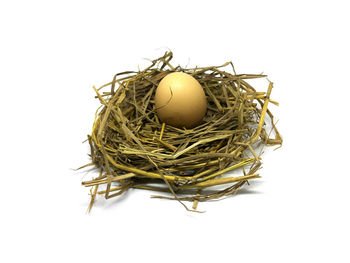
180, 100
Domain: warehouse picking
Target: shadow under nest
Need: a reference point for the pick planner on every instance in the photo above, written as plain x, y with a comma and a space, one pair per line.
133, 149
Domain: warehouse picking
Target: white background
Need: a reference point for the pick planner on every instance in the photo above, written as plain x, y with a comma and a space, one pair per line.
53, 52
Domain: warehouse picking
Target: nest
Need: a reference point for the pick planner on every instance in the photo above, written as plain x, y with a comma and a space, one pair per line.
133, 149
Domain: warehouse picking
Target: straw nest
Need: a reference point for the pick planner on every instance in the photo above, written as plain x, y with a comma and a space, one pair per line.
133, 149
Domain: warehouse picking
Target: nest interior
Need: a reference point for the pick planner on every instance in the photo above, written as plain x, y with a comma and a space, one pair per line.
134, 149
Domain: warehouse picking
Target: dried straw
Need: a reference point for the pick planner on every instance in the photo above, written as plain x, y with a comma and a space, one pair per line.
133, 149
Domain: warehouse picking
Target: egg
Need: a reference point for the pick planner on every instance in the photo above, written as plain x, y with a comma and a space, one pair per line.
180, 100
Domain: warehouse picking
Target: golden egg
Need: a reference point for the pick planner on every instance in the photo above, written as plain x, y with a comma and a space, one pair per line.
180, 100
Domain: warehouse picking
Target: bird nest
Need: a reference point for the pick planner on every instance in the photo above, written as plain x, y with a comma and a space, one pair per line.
134, 149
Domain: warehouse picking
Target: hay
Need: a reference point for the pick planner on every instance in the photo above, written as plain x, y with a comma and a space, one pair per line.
133, 149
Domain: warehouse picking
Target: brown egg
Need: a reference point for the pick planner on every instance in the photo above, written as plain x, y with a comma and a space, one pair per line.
180, 100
